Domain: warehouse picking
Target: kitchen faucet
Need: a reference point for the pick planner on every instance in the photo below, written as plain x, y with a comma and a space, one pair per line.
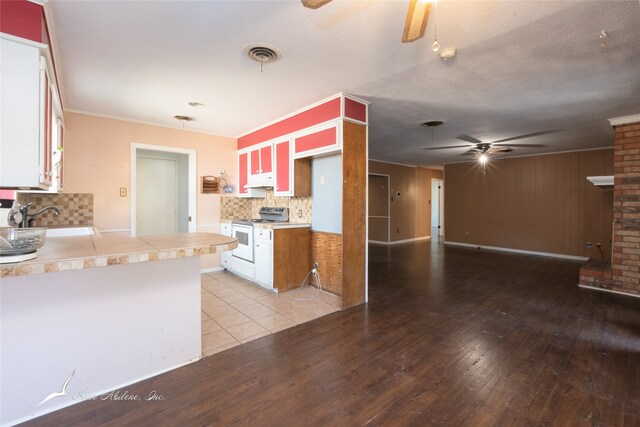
27, 218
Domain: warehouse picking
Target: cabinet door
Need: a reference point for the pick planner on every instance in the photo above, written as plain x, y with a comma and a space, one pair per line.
255, 162
46, 107
243, 173
265, 160
264, 262
60, 146
283, 168
225, 229
318, 141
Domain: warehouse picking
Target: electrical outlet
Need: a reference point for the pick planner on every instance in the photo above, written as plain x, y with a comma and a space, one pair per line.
466, 233
322, 180
589, 245
599, 244
123, 192
299, 213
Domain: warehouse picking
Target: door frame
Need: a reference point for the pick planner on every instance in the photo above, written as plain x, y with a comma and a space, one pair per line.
440, 205
192, 181
388, 206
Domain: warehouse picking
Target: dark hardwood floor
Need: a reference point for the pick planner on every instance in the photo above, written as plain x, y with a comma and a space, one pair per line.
451, 336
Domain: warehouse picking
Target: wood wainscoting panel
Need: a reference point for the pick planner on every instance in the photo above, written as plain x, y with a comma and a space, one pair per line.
354, 213
291, 257
326, 250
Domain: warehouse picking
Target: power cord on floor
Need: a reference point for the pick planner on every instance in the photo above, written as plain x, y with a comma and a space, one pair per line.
316, 275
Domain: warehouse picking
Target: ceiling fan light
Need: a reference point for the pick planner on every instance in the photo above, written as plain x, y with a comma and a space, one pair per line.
483, 158
314, 4
416, 22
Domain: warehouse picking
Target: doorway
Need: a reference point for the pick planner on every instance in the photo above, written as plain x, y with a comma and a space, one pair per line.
163, 190
437, 207
379, 216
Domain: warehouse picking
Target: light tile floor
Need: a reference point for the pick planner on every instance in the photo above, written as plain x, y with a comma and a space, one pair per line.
236, 311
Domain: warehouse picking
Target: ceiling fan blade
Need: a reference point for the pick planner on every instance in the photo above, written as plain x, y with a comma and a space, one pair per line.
526, 135
314, 4
503, 149
445, 148
416, 22
469, 139
524, 145
473, 151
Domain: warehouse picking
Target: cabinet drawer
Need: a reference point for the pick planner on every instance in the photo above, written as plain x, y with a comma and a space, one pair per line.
263, 233
225, 229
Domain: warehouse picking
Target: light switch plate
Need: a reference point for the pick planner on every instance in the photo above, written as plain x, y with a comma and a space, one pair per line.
123, 192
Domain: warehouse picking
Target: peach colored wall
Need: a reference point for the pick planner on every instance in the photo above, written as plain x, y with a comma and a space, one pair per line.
97, 160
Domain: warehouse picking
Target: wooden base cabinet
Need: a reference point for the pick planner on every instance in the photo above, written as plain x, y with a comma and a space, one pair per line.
291, 257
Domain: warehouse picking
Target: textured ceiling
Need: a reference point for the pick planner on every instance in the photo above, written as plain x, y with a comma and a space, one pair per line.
522, 67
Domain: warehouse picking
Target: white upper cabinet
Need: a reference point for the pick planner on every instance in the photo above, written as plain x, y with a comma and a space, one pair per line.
31, 116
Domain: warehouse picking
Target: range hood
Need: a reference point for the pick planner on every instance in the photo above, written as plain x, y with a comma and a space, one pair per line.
605, 182
260, 181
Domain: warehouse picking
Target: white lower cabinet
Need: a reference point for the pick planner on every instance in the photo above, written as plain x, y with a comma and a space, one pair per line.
264, 257
226, 257
261, 270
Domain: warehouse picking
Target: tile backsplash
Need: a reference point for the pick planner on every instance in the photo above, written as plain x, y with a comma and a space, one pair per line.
75, 208
236, 207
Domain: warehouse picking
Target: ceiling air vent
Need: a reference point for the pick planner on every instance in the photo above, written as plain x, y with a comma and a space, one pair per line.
184, 118
262, 53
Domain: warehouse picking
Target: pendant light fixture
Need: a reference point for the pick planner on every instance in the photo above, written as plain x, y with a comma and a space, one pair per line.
435, 46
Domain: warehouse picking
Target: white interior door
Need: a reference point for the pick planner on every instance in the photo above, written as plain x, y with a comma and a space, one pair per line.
156, 197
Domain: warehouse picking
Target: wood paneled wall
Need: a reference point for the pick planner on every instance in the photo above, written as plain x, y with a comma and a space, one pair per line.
411, 211
538, 203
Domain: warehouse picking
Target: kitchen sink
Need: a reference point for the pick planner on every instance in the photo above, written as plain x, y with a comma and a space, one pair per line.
70, 231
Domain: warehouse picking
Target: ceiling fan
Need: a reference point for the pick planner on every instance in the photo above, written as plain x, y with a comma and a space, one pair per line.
479, 147
414, 26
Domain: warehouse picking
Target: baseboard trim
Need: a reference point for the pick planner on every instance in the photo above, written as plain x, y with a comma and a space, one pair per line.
611, 291
398, 242
116, 230
211, 269
517, 251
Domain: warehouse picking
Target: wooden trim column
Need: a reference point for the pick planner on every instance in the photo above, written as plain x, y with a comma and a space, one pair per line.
354, 211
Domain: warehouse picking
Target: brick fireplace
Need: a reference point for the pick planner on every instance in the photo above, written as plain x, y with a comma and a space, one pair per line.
622, 273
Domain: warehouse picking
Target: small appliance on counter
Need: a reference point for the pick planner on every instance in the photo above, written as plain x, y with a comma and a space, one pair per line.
20, 244
5, 209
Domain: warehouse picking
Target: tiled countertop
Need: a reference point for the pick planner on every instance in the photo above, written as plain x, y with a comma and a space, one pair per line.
83, 252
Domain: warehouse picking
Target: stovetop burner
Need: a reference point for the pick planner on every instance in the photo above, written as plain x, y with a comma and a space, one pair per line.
267, 215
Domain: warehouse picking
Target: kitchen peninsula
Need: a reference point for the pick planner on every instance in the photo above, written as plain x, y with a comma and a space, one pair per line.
98, 313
